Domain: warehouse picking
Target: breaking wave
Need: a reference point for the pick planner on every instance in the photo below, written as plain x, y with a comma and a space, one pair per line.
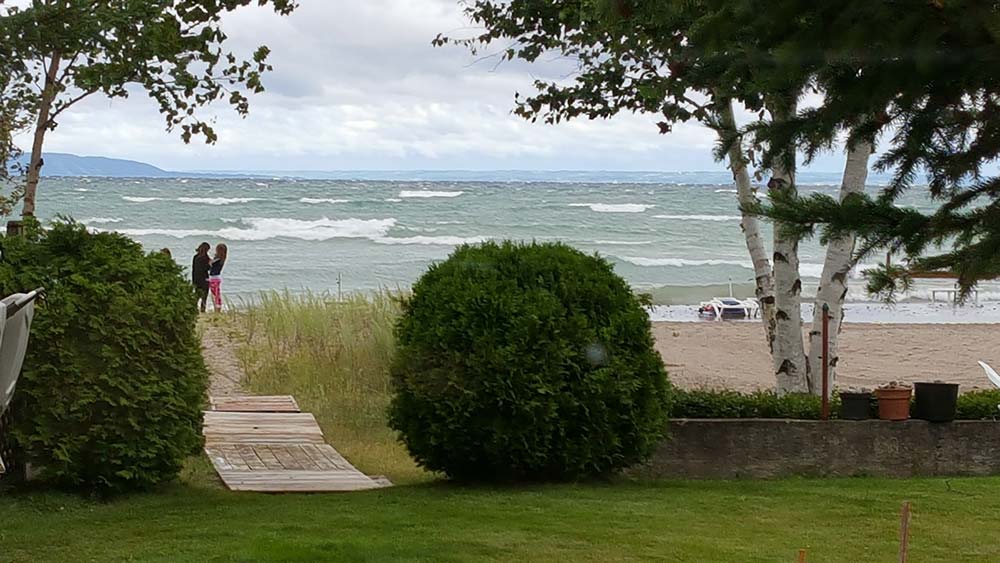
615, 207
427, 193
699, 217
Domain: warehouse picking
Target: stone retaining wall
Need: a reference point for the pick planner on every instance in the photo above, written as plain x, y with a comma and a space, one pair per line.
763, 448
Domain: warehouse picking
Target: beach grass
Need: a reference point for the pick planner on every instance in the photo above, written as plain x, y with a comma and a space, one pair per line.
748, 521
333, 355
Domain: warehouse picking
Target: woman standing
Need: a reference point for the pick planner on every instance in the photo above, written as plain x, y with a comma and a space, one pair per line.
199, 274
215, 275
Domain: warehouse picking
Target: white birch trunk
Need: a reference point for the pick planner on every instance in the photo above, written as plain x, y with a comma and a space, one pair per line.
833, 282
788, 353
763, 278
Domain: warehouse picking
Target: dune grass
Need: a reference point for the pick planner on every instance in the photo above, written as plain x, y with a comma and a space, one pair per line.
333, 356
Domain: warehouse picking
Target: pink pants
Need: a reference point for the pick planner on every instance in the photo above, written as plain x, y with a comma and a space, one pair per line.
215, 287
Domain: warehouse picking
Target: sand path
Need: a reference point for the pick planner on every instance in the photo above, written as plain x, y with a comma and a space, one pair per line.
225, 373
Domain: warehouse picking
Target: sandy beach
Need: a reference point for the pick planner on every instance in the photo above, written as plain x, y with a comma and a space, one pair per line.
734, 355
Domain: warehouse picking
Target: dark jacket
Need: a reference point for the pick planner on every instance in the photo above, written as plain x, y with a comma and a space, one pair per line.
216, 268
199, 270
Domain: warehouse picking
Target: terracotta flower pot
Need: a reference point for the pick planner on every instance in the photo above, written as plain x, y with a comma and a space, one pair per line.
893, 403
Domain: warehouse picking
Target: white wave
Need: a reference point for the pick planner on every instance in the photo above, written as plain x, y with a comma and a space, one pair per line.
680, 262
217, 200
141, 199
97, 220
393, 200
427, 193
449, 222
624, 242
442, 240
726, 191
615, 207
323, 200
82, 190
262, 184
264, 228
699, 217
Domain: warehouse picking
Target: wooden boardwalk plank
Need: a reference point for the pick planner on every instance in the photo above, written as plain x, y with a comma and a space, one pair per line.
252, 403
276, 452
261, 428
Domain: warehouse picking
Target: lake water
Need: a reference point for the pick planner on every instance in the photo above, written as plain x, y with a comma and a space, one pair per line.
677, 235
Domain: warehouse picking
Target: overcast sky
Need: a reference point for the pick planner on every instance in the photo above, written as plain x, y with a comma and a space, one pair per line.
357, 85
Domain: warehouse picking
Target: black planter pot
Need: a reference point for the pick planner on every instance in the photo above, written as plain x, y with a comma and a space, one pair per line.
855, 406
935, 402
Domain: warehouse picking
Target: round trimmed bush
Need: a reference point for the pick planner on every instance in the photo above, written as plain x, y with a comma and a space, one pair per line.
526, 362
113, 384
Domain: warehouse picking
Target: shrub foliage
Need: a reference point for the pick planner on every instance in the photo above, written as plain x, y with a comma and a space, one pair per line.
113, 384
526, 362
702, 403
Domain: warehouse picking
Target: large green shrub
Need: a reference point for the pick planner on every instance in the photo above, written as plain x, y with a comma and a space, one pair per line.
530, 362
113, 384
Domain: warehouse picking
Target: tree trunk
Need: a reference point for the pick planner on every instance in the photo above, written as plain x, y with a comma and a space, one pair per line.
833, 282
763, 278
41, 127
788, 353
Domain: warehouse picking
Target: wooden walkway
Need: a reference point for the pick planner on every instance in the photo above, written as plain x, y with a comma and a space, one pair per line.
265, 444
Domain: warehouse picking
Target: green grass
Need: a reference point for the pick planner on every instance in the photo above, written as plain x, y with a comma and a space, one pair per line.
835, 520
334, 357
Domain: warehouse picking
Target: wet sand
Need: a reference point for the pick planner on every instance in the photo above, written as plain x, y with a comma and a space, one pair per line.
734, 355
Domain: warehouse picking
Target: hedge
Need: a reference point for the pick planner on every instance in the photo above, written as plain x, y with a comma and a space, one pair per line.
113, 384
700, 403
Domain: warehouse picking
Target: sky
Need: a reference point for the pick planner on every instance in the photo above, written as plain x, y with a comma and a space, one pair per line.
358, 86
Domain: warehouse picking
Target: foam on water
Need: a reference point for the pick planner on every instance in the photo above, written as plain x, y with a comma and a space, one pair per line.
615, 207
218, 200
428, 194
699, 217
265, 228
100, 220
681, 262
134, 199
433, 241
314, 200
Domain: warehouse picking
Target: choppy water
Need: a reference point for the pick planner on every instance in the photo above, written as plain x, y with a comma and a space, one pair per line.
677, 234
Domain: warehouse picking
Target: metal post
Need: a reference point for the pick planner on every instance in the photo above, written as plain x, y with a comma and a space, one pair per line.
340, 291
826, 362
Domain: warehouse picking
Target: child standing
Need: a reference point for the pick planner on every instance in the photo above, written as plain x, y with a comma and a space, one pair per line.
215, 275
199, 274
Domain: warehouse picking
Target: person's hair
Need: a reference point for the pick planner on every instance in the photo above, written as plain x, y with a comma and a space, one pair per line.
221, 251
166, 251
203, 248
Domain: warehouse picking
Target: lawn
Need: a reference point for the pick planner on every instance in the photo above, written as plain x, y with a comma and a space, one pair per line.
836, 520
334, 357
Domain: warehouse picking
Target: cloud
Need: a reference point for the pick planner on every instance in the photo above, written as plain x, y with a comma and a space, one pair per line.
357, 85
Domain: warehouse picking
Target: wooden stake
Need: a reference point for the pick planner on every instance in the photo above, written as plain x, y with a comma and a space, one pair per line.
904, 532
802, 556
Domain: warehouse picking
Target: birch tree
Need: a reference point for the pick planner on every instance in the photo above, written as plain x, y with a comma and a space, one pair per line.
173, 50
641, 57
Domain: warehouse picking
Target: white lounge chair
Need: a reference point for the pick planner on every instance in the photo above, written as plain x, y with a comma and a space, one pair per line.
16, 313
991, 374
729, 307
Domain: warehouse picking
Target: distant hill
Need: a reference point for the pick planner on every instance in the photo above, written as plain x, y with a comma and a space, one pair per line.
62, 164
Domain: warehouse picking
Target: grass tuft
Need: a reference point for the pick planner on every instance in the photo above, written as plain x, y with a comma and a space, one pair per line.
333, 356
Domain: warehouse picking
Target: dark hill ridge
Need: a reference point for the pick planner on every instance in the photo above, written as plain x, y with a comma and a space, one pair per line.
62, 164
